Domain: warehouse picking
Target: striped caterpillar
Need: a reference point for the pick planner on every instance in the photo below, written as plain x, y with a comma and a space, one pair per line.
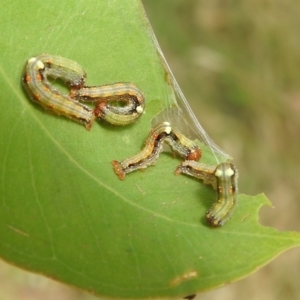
163, 132
35, 79
223, 178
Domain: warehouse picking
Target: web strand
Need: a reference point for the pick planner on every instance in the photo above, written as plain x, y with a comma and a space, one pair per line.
181, 114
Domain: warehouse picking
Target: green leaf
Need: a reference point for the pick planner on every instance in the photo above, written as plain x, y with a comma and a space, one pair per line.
65, 214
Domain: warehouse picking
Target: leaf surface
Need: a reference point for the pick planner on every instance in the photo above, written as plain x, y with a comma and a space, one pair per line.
64, 213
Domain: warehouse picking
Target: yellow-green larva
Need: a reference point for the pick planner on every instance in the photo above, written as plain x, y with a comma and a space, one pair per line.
118, 103
163, 132
35, 79
223, 178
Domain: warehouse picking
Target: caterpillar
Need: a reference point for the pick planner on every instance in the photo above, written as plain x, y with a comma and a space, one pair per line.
223, 178
40, 68
162, 132
36, 83
106, 95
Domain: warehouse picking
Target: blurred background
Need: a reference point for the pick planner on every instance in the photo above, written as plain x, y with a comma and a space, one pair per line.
238, 64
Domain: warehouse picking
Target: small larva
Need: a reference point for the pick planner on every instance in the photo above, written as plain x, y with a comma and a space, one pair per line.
108, 95
35, 80
223, 178
163, 132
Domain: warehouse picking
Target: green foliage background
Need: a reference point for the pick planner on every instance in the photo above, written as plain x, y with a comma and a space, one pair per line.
42, 233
